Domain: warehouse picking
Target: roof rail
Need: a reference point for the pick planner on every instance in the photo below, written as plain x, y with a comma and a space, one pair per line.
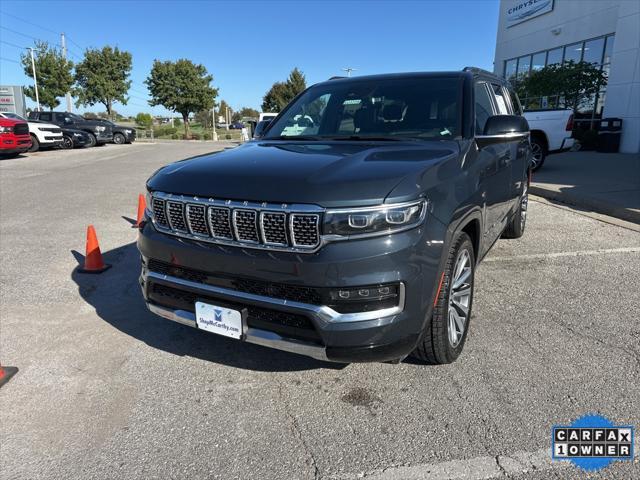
337, 77
478, 70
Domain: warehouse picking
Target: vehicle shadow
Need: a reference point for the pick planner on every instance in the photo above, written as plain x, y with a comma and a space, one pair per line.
115, 295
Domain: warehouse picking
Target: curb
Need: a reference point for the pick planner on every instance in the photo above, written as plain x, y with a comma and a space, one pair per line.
595, 205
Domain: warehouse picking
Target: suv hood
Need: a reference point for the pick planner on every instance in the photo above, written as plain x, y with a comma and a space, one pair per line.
328, 174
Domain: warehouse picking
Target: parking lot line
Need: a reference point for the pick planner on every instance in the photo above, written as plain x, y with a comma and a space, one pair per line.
579, 253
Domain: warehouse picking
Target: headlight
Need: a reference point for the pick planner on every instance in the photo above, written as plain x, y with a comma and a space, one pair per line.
149, 204
77, 135
100, 129
127, 131
375, 220
6, 129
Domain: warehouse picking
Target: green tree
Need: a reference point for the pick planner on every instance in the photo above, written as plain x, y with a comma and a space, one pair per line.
204, 118
574, 82
221, 110
176, 122
281, 93
144, 120
53, 72
245, 112
102, 77
182, 87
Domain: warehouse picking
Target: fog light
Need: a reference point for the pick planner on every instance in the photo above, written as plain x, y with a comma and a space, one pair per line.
364, 299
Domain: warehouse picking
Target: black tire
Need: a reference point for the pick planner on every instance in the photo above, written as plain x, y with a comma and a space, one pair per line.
515, 228
435, 347
119, 139
539, 152
35, 144
67, 143
92, 140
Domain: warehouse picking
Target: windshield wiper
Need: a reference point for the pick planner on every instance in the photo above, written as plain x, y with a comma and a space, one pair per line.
375, 138
313, 138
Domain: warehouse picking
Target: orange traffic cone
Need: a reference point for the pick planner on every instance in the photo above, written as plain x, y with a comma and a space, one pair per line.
6, 373
93, 262
142, 205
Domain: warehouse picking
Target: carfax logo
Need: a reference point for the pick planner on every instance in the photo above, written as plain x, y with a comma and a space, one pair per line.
592, 442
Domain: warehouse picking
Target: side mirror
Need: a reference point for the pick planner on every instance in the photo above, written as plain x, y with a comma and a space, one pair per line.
503, 128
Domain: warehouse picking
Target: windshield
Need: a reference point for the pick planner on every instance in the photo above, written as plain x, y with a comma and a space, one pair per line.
395, 108
15, 116
77, 118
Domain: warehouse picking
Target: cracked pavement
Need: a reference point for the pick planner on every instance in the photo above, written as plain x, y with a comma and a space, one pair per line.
108, 390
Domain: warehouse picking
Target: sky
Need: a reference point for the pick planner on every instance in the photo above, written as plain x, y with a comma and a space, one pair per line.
249, 45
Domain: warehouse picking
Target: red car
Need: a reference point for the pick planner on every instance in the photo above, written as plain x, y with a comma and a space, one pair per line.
14, 137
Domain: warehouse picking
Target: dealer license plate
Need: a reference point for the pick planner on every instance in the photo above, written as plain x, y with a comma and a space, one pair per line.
220, 320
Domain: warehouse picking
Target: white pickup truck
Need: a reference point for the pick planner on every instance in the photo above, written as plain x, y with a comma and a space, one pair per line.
43, 135
550, 132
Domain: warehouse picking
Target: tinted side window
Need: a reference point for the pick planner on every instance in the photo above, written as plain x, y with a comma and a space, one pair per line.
501, 101
484, 109
515, 102
45, 116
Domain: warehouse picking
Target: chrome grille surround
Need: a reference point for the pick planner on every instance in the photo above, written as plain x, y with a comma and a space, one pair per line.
264, 225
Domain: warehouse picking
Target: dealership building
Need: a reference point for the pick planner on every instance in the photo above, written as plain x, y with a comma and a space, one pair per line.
536, 33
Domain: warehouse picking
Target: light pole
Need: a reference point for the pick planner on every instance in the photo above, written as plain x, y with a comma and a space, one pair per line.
35, 80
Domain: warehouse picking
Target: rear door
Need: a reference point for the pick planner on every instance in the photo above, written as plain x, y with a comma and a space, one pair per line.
495, 171
508, 154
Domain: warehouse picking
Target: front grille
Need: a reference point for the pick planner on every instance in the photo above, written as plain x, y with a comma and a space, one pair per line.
241, 223
197, 219
284, 291
288, 324
175, 211
159, 213
51, 129
245, 222
21, 129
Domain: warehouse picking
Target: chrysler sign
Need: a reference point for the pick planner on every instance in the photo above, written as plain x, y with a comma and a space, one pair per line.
522, 10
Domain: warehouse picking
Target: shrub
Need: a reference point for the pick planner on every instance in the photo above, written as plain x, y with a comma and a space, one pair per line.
206, 136
195, 136
228, 136
175, 136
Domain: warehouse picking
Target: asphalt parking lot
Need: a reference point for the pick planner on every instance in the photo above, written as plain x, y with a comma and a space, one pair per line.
108, 390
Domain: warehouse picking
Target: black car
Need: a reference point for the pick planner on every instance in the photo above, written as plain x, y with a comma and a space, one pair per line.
99, 133
74, 138
352, 230
121, 134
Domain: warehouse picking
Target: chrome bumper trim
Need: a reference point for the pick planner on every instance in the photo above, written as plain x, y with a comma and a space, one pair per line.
321, 313
253, 335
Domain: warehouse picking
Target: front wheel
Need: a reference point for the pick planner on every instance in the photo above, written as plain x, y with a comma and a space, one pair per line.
445, 332
118, 138
92, 140
67, 143
35, 144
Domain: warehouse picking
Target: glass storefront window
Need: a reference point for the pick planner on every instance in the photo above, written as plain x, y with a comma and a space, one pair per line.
593, 51
524, 63
537, 61
608, 49
554, 56
510, 69
573, 52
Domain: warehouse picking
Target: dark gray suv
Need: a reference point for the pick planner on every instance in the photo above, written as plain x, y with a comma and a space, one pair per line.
352, 229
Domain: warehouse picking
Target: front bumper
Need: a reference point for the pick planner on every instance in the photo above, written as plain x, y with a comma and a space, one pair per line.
411, 258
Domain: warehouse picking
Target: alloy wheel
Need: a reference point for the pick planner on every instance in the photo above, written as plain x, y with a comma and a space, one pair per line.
536, 155
460, 298
67, 143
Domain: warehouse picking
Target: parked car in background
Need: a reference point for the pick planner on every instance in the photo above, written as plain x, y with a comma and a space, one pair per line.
352, 230
121, 134
550, 132
43, 135
260, 128
99, 133
236, 126
74, 138
14, 137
